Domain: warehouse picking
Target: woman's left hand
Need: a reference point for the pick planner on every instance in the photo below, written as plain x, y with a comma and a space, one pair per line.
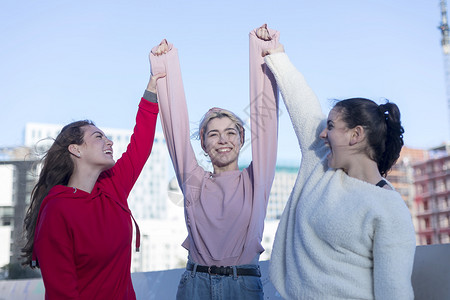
263, 33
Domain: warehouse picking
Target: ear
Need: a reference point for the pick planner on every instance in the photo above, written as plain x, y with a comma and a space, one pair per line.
357, 135
202, 141
242, 136
74, 150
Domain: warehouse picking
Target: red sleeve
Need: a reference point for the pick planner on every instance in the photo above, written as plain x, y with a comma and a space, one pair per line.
54, 249
127, 168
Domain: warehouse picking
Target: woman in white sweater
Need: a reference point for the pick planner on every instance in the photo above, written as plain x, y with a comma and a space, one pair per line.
345, 232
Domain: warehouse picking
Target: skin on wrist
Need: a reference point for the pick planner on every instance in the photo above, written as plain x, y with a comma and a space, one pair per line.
150, 88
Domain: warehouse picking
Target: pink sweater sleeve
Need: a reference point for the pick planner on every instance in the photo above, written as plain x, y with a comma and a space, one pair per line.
263, 115
174, 117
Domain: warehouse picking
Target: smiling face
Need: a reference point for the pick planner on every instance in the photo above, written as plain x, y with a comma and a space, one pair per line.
222, 142
338, 137
96, 150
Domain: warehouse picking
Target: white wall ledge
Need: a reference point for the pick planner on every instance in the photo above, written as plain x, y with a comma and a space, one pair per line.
431, 277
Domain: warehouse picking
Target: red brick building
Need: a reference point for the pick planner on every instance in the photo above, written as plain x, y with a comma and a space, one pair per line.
432, 197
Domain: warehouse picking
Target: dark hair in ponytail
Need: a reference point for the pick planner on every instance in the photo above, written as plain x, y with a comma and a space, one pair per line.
382, 125
57, 168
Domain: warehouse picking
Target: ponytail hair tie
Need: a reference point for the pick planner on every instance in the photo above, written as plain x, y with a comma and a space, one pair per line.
384, 110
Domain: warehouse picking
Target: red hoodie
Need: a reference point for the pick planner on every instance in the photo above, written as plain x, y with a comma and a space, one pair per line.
83, 241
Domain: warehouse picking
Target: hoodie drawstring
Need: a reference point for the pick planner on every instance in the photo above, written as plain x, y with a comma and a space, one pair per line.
138, 232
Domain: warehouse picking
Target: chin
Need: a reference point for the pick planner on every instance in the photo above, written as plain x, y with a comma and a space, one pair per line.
109, 166
223, 163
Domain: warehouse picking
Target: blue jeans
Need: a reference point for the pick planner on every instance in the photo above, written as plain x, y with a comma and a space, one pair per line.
203, 286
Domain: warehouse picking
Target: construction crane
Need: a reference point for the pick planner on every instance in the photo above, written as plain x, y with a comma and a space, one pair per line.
445, 42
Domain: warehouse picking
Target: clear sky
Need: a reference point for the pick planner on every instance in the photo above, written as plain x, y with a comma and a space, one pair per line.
62, 60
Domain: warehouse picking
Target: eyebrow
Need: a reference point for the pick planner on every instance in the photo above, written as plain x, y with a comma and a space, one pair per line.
95, 132
226, 129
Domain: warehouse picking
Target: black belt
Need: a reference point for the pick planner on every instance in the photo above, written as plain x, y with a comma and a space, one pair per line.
225, 271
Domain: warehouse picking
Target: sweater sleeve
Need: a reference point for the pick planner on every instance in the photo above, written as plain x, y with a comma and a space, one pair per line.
302, 105
127, 168
174, 117
54, 248
393, 253
263, 113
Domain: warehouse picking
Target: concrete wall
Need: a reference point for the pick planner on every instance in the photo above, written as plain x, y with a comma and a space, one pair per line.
431, 280
431, 273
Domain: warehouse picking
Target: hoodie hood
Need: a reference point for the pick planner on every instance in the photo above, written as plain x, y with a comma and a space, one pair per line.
70, 192
61, 191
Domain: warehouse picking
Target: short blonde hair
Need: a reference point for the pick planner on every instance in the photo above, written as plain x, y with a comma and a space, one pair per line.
217, 112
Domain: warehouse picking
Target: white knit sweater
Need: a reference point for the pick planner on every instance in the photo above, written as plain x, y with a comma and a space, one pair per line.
339, 237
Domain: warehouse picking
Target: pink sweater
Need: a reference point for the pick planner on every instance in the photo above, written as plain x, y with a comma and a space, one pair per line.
224, 212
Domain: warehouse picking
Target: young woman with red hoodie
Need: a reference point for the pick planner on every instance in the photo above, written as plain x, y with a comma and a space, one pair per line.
78, 226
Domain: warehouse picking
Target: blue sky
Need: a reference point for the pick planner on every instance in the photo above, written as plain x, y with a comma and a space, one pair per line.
62, 61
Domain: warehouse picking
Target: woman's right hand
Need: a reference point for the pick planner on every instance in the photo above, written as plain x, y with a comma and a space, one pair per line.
263, 33
162, 48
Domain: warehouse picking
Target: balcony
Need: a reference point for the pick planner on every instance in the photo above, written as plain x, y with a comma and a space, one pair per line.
430, 280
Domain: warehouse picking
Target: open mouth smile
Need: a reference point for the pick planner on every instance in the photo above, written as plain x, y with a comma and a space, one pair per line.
223, 150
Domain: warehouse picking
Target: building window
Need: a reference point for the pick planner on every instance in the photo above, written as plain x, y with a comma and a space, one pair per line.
437, 167
440, 203
427, 222
446, 165
428, 240
425, 206
418, 171
440, 186
444, 238
443, 221
419, 189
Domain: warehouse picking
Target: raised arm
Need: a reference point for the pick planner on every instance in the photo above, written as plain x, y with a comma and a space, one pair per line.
174, 113
127, 169
301, 102
263, 108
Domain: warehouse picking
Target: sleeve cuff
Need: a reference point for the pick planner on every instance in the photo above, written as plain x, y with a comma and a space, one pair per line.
150, 96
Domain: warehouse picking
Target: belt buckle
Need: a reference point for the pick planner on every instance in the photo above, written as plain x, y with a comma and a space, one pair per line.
209, 270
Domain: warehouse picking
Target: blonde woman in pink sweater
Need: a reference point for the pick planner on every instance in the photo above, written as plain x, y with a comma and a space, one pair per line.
224, 209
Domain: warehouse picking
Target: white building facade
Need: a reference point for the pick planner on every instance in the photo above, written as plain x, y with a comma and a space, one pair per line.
6, 212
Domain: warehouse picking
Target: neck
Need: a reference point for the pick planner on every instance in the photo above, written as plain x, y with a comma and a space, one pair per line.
230, 167
83, 180
364, 169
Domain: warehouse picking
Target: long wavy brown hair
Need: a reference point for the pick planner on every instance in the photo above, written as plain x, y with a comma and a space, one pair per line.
57, 168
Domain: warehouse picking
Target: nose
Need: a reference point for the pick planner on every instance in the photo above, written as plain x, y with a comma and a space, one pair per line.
222, 138
323, 134
108, 141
